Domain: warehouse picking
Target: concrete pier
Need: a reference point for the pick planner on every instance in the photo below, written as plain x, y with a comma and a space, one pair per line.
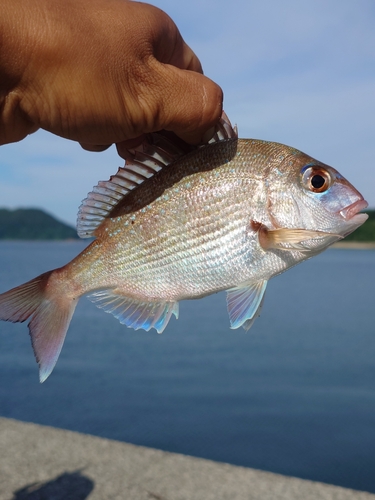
43, 463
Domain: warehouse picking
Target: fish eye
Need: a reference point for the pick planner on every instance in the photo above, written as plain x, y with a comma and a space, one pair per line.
316, 179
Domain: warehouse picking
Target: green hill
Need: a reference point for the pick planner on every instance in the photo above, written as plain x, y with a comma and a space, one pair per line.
366, 232
32, 224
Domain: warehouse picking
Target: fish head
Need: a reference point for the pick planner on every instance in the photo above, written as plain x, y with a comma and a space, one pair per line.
313, 196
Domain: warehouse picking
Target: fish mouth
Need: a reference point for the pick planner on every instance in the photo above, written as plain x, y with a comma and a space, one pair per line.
351, 213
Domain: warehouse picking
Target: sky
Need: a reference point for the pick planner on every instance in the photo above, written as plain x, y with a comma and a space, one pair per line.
294, 71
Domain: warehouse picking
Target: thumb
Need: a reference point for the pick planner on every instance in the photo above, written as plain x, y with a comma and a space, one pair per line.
187, 103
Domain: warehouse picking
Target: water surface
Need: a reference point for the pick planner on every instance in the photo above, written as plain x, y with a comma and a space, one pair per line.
295, 395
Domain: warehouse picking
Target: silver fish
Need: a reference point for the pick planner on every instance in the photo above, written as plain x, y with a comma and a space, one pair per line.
180, 222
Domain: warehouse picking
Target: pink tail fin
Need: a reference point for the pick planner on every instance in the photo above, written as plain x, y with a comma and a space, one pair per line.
51, 314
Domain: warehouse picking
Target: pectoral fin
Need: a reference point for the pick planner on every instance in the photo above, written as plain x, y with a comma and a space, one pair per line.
294, 239
245, 303
133, 313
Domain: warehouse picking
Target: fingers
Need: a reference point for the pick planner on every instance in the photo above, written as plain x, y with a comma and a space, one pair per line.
167, 44
185, 102
180, 98
188, 60
181, 57
14, 124
122, 147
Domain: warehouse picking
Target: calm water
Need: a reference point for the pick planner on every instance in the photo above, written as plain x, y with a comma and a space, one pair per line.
296, 395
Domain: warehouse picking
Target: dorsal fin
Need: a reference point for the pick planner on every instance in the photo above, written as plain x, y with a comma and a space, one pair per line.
157, 151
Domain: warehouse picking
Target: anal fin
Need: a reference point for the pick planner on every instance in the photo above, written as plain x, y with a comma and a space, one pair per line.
134, 313
245, 303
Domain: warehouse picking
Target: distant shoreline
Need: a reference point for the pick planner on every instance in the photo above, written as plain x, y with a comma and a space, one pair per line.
355, 245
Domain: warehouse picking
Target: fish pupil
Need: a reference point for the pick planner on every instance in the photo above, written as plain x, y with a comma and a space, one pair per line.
317, 181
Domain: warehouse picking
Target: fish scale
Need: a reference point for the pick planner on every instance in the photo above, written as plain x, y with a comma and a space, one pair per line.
181, 222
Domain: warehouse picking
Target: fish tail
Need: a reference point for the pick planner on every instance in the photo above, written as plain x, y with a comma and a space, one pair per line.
50, 313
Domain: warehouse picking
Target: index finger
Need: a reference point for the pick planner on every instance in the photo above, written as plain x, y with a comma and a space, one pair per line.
186, 57
168, 46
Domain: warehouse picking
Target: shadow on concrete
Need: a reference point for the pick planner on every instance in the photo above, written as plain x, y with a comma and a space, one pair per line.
67, 486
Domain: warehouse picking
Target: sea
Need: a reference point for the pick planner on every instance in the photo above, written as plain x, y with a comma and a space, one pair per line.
294, 395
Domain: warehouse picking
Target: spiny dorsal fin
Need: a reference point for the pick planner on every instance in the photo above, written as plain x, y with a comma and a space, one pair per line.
157, 151
224, 130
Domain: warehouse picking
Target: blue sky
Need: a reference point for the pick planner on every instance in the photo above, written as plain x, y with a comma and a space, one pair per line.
297, 72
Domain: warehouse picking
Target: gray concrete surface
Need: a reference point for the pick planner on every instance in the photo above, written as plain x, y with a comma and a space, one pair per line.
43, 463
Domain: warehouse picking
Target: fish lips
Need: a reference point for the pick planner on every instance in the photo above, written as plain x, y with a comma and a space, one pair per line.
353, 217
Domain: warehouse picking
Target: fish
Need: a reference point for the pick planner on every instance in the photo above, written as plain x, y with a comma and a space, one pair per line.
182, 222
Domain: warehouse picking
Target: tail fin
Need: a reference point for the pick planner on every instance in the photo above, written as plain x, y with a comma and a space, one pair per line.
51, 314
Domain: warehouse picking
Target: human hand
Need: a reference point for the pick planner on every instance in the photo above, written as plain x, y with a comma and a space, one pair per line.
99, 72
